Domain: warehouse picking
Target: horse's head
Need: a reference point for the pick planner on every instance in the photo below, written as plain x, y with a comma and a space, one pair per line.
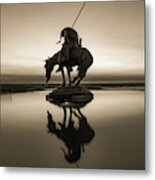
50, 63
48, 67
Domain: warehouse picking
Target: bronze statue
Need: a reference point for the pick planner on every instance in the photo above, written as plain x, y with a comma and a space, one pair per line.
83, 60
71, 54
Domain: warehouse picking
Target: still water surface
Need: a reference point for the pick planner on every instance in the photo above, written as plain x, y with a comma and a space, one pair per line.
106, 133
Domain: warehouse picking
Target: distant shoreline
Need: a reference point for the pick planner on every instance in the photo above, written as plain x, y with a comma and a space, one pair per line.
15, 88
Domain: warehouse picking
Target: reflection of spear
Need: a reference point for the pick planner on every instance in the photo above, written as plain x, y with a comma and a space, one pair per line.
77, 165
65, 154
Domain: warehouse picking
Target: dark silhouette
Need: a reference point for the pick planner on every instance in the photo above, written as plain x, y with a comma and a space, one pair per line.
80, 57
69, 35
72, 95
71, 41
74, 138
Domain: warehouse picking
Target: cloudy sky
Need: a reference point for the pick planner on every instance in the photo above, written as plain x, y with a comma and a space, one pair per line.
113, 32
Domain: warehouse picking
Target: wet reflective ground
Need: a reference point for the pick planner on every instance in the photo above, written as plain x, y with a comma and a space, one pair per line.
107, 132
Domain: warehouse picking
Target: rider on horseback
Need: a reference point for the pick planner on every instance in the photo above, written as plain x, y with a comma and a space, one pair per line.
71, 41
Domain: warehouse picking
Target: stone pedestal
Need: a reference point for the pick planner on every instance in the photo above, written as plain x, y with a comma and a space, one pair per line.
70, 94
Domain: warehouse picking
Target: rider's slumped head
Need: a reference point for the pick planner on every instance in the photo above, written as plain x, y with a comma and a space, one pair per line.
69, 34
71, 41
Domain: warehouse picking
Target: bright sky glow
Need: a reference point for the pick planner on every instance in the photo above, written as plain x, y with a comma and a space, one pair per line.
112, 31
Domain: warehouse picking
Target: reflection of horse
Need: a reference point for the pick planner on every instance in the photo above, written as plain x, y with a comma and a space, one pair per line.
80, 57
73, 137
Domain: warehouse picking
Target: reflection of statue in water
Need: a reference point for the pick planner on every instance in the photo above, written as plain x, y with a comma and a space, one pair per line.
74, 137
71, 54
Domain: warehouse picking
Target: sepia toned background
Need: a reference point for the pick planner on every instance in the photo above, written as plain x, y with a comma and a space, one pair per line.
113, 31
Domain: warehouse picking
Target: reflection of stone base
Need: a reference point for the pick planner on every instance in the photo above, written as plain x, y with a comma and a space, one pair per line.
71, 94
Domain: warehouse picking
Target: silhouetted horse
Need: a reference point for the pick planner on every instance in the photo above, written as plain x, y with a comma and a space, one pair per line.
80, 57
74, 138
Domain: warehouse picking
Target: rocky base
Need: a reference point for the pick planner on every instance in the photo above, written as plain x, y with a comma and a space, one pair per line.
70, 94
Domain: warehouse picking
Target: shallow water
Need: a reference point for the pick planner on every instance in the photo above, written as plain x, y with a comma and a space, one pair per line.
107, 133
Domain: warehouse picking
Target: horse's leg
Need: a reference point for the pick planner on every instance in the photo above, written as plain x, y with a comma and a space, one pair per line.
65, 116
81, 76
69, 77
71, 112
63, 77
70, 116
78, 82
63, 124
75, 79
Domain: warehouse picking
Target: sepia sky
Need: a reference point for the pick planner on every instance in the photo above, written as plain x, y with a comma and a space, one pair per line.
113, 32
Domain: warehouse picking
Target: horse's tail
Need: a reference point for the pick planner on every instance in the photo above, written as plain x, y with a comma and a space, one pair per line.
87, 54
86, 58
